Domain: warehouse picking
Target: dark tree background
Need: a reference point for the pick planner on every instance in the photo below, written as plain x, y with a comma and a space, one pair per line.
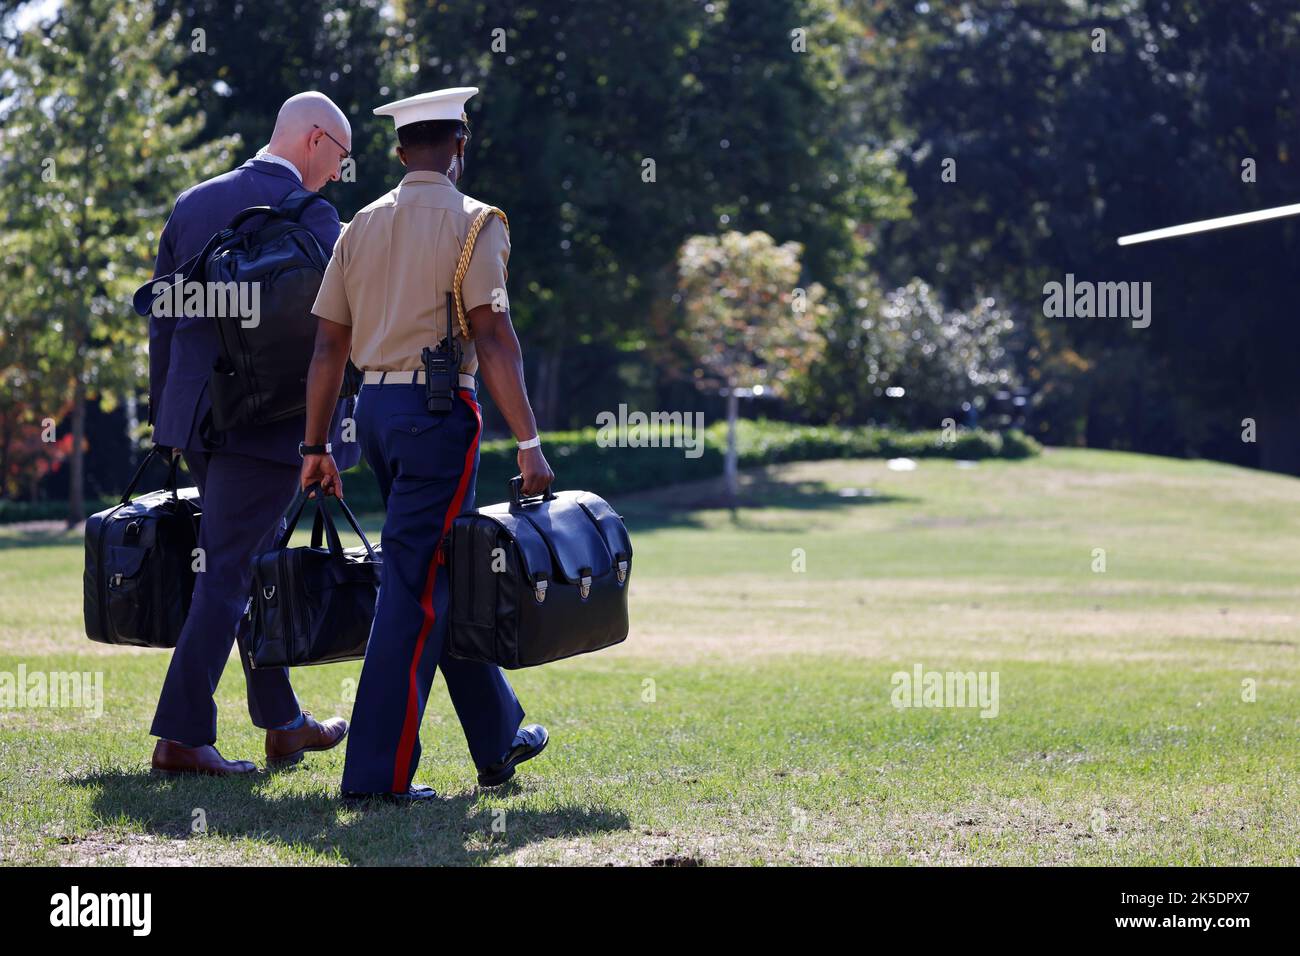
823, 123
1060, 150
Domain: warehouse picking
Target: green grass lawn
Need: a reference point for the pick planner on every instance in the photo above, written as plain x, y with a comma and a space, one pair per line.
748, 717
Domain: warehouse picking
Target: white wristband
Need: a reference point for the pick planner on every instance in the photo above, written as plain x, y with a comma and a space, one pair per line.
530, 443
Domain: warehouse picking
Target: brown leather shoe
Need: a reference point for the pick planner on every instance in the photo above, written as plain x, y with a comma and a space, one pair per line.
171, 759
286, 747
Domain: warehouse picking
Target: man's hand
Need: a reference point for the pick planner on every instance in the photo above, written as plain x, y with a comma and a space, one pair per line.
320, 469
537, 473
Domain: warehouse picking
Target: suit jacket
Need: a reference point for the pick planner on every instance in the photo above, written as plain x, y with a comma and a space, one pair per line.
182, 350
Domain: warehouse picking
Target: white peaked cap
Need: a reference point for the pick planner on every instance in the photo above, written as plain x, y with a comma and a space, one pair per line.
438, 105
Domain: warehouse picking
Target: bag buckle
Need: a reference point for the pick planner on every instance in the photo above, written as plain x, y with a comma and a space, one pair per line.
268, 592
584, 585
539, 590
622, 571
116, 580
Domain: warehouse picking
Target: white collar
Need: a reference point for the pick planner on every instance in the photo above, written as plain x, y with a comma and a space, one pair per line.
266, 155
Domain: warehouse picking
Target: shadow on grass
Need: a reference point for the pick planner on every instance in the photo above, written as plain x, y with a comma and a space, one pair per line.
456, 830
678, 507
675, 507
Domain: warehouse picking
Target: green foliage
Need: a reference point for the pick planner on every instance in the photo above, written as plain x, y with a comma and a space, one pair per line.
1059, 149
580, 462
940, 357
96, 143
250, 57
90, 170
743, 132
747, 321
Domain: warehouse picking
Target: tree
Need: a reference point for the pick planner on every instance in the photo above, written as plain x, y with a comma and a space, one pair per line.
939, 357
748, 324
96, 143
1062, 144
251, 57
611, 132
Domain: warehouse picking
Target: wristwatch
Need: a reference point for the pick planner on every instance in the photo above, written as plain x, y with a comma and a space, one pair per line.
305, 450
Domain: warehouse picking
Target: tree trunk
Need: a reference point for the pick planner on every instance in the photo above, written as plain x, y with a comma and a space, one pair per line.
729, 469
544, 397
77, 473
6, 437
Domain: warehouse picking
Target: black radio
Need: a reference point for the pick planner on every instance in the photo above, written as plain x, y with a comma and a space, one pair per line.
442, 367
441, 375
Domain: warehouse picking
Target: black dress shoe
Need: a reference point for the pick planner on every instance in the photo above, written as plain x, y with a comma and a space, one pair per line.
529, 742
417, 793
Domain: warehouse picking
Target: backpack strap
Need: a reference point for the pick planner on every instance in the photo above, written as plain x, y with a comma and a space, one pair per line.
462, 266
296, 202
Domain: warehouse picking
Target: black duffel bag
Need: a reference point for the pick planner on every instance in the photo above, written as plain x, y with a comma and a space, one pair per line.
539, 579
313, 605
140, 555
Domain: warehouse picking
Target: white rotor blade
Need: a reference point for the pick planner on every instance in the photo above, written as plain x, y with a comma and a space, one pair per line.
1206, 225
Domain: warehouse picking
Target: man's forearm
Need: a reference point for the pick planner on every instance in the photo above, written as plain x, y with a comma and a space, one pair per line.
324, 379
501, 363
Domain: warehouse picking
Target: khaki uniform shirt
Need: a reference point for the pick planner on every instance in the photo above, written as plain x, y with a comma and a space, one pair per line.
393, 267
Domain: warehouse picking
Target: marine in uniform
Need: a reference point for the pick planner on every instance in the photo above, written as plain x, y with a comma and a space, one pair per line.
387, 296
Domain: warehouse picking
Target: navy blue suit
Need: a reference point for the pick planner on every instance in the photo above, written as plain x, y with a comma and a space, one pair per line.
246, 476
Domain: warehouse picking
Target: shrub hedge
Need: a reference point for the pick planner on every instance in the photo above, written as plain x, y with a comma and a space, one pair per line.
580, 462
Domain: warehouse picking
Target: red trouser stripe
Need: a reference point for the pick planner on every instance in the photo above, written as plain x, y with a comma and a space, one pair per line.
411, 725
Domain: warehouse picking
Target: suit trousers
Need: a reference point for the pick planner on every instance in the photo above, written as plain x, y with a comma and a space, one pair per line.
243, 500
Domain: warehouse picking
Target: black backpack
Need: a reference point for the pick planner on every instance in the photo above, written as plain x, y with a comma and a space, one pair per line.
140, 564
260, 375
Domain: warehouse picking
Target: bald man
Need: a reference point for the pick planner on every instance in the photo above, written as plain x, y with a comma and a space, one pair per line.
246, 476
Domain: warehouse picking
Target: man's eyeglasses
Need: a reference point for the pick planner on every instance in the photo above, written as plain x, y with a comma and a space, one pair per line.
347, 154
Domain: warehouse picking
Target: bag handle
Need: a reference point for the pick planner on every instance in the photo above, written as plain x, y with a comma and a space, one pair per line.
323, 522
168, 485
517, 498
462, 267
318, 534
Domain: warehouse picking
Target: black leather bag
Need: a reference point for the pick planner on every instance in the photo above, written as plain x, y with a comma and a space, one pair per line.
139, 574
260, 374
535, 580
313, 605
